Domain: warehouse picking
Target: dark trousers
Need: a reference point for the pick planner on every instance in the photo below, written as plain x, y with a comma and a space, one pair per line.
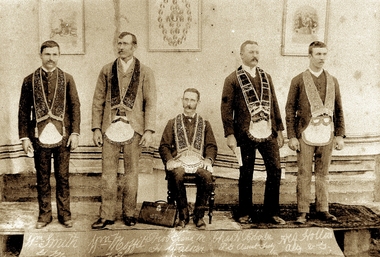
203, 179
269, 150
42, 162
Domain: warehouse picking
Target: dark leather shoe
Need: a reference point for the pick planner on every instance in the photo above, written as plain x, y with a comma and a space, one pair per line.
130, 221
245, 219
277, 220
181, 224
200, 223
102, 223
42, 224
326, 216
67, 224
301, 219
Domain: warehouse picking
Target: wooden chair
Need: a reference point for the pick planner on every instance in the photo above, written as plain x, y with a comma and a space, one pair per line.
189, 179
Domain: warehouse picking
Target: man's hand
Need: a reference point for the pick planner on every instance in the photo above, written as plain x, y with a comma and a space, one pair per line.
338, 143
280, 139
146, 139
27, 145
231, 142
73, 141
172, 164
98, 138
207, 165
294, 144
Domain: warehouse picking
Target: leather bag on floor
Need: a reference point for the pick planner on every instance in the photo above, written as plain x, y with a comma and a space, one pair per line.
158, 213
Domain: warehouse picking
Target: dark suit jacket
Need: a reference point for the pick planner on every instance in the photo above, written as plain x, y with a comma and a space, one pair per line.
298, 111
27, 117
168, 149
235, 114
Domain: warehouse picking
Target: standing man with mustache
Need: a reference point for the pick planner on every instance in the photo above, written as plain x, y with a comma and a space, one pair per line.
49, 124
315, 125
252, 121
123, 120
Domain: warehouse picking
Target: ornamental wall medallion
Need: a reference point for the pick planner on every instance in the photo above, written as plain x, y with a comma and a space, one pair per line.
174, 25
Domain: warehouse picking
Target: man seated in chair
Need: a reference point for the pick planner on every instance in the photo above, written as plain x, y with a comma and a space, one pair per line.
188, 146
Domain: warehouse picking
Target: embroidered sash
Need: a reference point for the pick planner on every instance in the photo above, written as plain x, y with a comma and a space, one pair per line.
126, 102
189, 153
321, 126
259, 106
120, 131
49, 127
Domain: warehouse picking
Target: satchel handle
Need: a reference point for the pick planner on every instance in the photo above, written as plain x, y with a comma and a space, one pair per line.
161, 201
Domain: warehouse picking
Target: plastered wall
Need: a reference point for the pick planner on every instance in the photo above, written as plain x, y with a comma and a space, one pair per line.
353, 38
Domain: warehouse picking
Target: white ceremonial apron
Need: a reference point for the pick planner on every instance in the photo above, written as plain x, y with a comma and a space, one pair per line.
319, 132
261, 129
50, 135
190, 161
120, 131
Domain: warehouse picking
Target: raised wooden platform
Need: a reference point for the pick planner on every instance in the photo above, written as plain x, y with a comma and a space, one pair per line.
352, 232
354, 179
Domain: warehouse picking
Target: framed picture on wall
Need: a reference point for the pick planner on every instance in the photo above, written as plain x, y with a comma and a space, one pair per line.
174, 25
63, 22
304, 21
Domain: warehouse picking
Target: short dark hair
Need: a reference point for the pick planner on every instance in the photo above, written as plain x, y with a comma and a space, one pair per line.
49, 44
316, 44
248, 42
125, 33
193, 90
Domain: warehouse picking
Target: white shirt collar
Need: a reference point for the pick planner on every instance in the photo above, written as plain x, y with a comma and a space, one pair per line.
192, 116
126, 65
317, 74
251, 71
47, 70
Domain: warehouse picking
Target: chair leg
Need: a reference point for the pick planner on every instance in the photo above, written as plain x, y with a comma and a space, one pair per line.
170, 199
211, 206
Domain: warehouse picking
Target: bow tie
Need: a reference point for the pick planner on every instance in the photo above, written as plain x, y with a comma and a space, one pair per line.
188, 117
